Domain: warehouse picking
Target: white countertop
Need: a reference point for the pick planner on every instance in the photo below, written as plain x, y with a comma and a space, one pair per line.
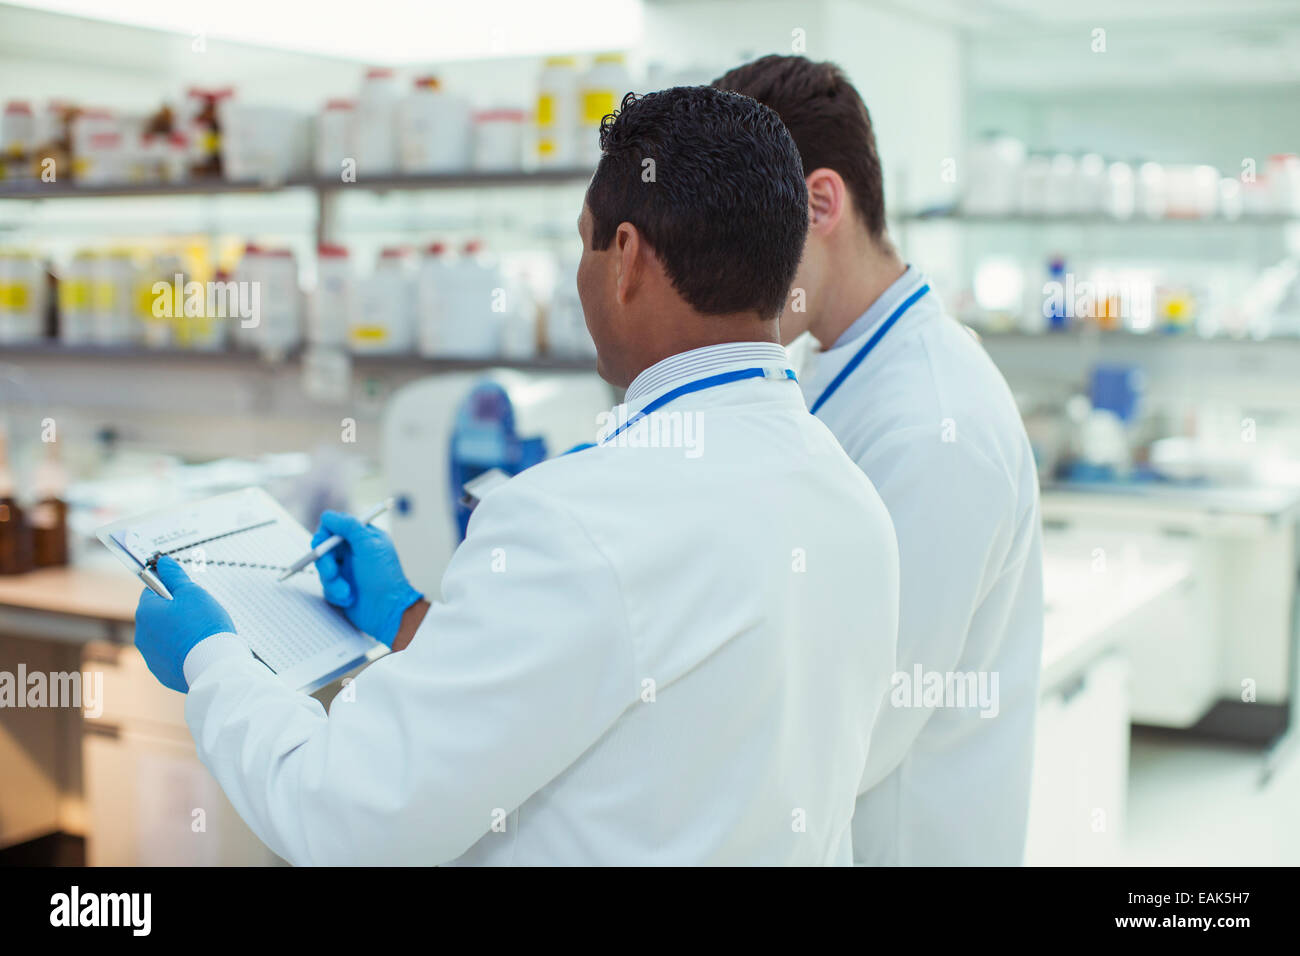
1268, 500
1084, 607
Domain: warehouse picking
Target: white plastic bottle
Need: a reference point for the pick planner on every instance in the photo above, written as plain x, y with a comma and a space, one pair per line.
335, 137
1121, 194
384, 319
377, 125
566, 327
251, 271
114, 278
1152, 190
463, 304
519, 328
280, 300
75, 313
334, 304
278, 326
434, 130
499, 139
431, 284
601, 90
478, 307
17, 139
22, 297
557, 113
163, 331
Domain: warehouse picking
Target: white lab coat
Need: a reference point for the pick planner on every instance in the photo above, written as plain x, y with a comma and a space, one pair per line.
640, 657
930, 419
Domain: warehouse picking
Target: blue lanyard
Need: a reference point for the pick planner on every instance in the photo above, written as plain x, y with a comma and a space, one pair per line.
863, 352
725, 378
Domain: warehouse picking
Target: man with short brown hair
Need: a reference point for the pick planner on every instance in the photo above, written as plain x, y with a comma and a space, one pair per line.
921, 408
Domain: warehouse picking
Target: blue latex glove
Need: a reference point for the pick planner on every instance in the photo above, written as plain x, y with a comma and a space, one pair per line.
166, 631
364, 576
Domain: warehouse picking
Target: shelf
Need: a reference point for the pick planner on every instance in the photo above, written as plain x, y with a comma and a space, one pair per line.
361, 362
1095, 220
214, 187
1076, 336
466, 180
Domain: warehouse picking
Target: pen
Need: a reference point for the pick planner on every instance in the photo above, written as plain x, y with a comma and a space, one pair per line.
332, 542
153, 582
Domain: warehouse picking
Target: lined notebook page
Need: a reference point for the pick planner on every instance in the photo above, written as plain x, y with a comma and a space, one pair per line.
235, 546
282, 622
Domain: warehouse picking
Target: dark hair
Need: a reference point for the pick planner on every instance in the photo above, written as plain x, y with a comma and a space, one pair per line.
726, 209
827, 119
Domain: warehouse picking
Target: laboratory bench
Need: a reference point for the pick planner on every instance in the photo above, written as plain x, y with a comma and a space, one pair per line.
110, 766
1094, 612
1225, 662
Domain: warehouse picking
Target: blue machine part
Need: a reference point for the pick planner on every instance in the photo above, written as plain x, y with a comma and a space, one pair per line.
1058, 314
1117, 388
484, 438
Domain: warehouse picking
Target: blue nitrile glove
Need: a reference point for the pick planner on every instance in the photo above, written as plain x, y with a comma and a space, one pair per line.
364, 576
166, 631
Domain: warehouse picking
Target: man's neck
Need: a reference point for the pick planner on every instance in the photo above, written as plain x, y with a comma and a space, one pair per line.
855, 284
700, 331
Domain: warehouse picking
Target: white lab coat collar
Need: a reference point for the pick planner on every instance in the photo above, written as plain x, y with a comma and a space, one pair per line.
902, 287
686, 367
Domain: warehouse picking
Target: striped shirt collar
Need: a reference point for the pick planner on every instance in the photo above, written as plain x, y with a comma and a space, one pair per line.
697, 363
902, 287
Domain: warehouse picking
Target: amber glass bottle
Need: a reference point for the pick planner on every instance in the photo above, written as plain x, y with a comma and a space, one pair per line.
49, 515
15, 533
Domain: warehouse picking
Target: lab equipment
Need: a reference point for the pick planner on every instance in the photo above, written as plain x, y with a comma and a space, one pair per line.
1117, 388
484, 439
559, 408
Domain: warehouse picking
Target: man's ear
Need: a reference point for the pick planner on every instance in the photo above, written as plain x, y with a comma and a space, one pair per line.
827, 200
631, 250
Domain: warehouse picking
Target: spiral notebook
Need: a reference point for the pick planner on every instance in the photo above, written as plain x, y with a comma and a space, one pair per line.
236, 545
